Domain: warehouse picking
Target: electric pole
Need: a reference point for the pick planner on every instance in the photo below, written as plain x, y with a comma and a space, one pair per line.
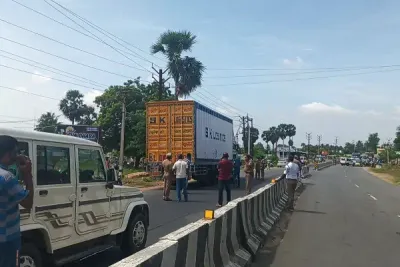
354, 146
319, 138
245, 120
336, 140
308, 136
122, 145
248, 135
160, 81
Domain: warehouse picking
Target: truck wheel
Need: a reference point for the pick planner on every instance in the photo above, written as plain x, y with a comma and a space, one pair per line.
135, 236
30, 256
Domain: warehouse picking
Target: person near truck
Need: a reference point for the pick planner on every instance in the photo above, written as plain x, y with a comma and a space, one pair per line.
12, 194
258, 171
168, 175
225, 167
180, 168
263, 165
292, 171
236, 169
249, 171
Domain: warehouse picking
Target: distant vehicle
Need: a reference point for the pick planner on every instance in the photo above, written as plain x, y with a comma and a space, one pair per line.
281, 163
343, 161
349, 162
357, 162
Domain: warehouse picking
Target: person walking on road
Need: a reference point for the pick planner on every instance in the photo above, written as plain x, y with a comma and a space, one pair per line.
236, 170
12, 194
181, 171
291, 171
168, 176
249, 171
297, 161
258, 172
225, 167
263, 163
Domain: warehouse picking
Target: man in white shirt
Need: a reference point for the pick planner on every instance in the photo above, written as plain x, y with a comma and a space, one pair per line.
291, 170
181, 171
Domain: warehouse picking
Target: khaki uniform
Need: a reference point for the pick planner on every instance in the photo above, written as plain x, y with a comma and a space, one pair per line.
249, 171
262, 169
168, 176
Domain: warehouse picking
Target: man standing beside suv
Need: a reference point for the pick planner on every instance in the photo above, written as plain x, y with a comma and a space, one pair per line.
12, 194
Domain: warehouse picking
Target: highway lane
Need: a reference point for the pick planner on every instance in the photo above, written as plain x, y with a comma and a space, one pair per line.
344, 217
166, 217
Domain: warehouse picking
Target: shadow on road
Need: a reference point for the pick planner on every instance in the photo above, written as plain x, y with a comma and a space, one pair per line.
266, 255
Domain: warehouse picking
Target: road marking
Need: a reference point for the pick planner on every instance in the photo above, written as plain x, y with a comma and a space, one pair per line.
357, 185
371, 196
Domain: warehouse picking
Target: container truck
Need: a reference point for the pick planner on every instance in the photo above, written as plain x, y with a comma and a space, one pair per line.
183, 127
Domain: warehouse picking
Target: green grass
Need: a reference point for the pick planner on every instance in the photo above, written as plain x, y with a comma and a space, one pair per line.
127, 171
393, 171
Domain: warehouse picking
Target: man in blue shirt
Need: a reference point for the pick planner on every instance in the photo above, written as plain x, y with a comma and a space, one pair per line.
236, 169
12, 194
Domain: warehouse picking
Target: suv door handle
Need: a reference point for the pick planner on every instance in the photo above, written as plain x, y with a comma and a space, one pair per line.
43, 193
84, 189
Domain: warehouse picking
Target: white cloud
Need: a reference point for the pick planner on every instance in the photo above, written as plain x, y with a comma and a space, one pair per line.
373, 112
40, 78
224, 98
307, 49
397, 110
21, 88
90, 96
293, 62
318, 107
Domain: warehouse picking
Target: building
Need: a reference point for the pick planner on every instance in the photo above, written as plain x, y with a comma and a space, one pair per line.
282, 151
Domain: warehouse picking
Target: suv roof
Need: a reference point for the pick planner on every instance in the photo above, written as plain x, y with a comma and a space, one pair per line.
57, 138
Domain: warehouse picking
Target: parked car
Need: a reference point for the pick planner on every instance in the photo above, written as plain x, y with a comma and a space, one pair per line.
343, 161
281, 163
78, 208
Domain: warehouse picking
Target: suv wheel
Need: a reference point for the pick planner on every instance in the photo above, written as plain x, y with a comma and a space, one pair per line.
30, 256
135, 236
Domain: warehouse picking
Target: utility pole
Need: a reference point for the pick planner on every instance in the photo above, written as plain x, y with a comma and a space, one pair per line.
319, 138
354, 146
308, 136
122, 143
160, 81
248, 135
336, 140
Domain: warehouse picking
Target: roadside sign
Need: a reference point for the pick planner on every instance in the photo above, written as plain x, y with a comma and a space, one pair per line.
91, 133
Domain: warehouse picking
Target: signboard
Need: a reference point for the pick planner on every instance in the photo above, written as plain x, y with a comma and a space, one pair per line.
91, 133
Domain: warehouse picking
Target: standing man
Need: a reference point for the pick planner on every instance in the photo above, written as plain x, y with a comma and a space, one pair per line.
291, 170
168, 176
181, 171
225, 167
298, 162
236, 169
249, 171
12, 194
258, 166
263, 169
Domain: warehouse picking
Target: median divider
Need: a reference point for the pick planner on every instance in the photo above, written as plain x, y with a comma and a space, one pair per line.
232, 238
324, 165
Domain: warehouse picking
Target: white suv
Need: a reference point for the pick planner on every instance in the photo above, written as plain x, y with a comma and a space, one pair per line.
78, 208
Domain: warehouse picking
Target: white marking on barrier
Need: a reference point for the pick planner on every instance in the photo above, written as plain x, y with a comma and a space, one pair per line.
357, 185
371, 196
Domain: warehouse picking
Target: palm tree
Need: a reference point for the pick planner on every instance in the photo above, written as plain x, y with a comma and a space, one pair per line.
290, 131
266, 136
274, 137
282, 132
72, 106
47, 123
187, 72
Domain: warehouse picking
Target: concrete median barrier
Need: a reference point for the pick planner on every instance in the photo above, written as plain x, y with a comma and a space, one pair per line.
324, 165
232, 238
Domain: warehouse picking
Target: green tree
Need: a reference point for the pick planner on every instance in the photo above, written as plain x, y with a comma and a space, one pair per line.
360, 147
290, 143
266, 136
373, 141
348, 148
89, 116
274, 138
74, 109
187, 72
259, 150
396, 141
47, 123
291, 132
254, 133
282, 132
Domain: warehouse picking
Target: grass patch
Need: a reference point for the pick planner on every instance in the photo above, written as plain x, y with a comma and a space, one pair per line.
140, 179
127, 171
392, 171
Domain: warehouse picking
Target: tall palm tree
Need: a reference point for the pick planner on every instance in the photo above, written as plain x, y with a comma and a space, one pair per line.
282, 132
290, 131
266, 136
274, 137
187, 72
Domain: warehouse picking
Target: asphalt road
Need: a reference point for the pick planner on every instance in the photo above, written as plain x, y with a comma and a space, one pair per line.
344, 217
166, 217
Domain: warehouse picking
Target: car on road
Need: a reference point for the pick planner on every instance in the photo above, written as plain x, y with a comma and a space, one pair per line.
281, 163
79, 209
343, 161
349, 162
357, 162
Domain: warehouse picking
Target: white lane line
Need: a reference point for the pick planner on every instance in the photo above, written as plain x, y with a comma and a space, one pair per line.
357, 185
371, 196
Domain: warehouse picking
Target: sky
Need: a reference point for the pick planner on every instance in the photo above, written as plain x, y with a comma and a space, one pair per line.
328, 67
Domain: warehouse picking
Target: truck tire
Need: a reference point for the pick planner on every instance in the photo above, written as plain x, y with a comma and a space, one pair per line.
135, 235
30, 256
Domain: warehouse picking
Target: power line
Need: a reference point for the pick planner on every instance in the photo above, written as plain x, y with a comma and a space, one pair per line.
302, 79
98, 38
73, 47
132, 53
55, 79
25, 92
57, 72
103, 31
66, 59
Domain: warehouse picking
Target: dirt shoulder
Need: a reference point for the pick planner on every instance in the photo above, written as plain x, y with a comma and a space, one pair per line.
390, 175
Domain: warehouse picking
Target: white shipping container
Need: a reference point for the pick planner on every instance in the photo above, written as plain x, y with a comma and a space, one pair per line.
213, 134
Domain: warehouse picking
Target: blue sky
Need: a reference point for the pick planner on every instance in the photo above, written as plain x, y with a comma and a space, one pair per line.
287, 36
